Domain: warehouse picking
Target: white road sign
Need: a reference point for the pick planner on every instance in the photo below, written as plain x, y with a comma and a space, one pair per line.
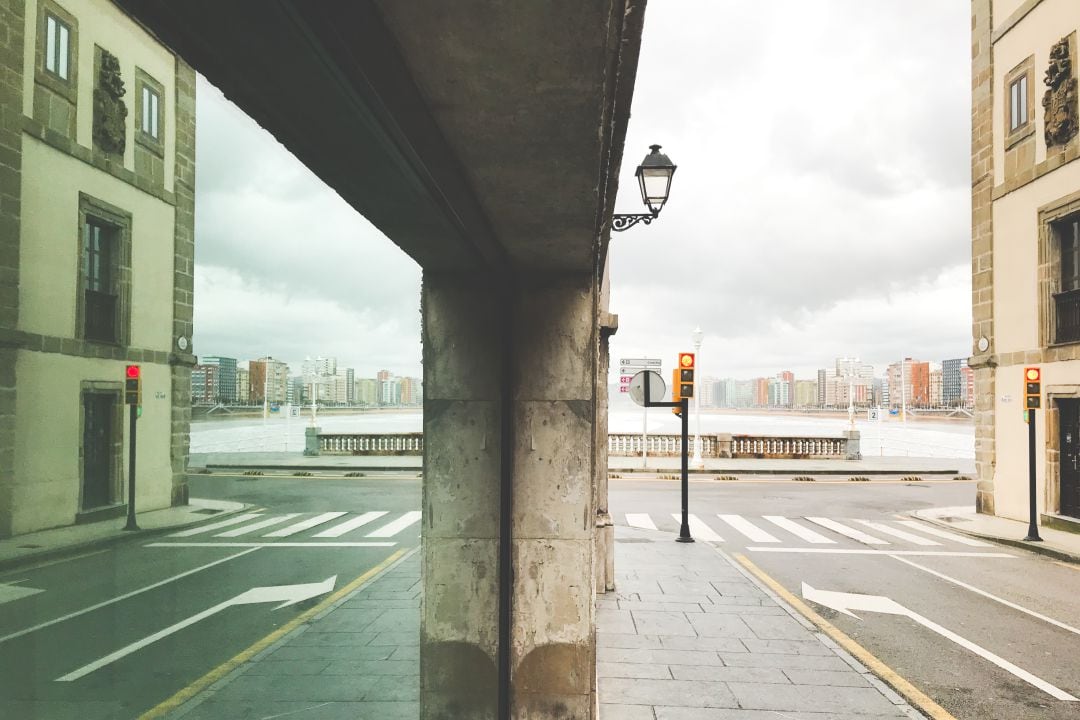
657, 388
640, 362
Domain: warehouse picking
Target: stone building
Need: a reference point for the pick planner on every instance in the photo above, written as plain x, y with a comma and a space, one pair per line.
1025, 247
97, 168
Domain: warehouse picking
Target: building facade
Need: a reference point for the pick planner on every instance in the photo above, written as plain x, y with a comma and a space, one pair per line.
269, 381
224, 390
97, 166
1026, 221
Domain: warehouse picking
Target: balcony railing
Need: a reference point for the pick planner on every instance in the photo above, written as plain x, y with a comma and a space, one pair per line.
1067, 306
99, 309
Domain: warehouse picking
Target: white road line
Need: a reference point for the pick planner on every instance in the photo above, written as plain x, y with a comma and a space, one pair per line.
883, 528
305, 524
640, 520
849, 531
274, 544
393, 528
885, 553
748, 528
698, 529
931, 530
995, 598
257, 526
796, 529
125, 596
216, 526
351, 524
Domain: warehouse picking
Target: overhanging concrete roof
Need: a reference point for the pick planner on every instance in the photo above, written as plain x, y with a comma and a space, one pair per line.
474, 134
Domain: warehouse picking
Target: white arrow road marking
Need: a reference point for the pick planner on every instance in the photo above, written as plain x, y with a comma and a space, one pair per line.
846, 602
14, 591
640, 520
285, 594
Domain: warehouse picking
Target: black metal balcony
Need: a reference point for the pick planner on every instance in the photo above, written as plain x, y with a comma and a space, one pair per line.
1067, 307
100, 313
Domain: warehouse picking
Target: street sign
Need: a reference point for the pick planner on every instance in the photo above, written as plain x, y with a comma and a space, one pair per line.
641, 362
625, 379
657, 389
872, 414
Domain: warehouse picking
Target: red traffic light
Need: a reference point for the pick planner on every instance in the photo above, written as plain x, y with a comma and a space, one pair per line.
133, 372
686, 360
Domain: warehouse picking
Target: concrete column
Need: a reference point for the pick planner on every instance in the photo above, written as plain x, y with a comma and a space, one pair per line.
853, 449
552, 330
311, 440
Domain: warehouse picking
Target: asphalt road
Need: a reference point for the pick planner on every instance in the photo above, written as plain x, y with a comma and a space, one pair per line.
85, 645
938, 592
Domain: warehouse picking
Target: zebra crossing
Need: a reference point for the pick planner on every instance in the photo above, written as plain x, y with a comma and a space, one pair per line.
375, 528
767, 532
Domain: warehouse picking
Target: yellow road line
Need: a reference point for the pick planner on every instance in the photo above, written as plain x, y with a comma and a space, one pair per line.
911, 693
1066, 565
236, 661
288, 476
783, 481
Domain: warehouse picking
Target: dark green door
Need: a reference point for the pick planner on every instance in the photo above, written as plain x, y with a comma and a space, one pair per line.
98, 441
1069, 433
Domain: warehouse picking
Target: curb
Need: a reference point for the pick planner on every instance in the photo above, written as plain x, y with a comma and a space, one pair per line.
106, 541
788, 471
299, 468
1039, 548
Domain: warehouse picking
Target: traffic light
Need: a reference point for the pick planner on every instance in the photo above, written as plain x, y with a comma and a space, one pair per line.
133, 385
686, 375
1032, 388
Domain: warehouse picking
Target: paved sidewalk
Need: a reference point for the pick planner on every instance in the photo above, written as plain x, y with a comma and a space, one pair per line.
687, 635
1059, 543
56, 541
359, 658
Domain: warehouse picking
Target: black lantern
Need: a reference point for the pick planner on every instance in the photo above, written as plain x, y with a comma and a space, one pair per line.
654, 179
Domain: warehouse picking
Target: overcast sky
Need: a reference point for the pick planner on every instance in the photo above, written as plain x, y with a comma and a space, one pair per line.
821, 206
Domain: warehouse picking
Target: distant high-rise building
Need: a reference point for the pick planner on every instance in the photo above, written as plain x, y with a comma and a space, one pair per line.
384, 375
761, 392
935, 398
411, 392
806, 393
968, 397
269, 380
243, 386
822, 376
952, 382
224, 388
203, 384
367, 391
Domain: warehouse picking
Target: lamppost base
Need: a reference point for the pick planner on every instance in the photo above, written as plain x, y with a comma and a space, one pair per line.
1032, 538
130, 527
684, 539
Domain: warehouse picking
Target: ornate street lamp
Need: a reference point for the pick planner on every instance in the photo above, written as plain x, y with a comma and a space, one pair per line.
654, 179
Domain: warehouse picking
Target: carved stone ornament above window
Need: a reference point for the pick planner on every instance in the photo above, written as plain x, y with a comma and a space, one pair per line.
110, 112
1059, 102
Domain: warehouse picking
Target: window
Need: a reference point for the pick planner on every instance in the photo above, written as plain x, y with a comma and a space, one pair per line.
1018, 103
1067, 300
57, 41
151, 102
99, 281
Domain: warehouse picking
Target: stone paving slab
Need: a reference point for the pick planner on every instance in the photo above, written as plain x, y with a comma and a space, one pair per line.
687, 635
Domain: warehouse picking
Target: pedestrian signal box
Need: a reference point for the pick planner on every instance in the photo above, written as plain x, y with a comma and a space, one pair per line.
686, 375
1032, 388
133, 385
676, 388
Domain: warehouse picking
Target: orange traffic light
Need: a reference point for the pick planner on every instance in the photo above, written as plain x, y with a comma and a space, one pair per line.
685, 378
686, 361
1032, 388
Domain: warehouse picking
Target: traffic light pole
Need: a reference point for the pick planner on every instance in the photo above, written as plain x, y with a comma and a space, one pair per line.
683, 405
1033, 525
131, 524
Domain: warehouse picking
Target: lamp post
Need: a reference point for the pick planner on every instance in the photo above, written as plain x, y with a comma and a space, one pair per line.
699, 463
654, 180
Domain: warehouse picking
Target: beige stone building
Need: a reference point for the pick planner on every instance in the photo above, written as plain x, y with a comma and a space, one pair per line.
1026, 251
97, 135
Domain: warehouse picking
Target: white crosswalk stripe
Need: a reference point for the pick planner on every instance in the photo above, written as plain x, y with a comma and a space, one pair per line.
640, 520
235, 520
885, 529
848, 531
799, 531
305, 524
277, 519
393, 528
748, 529
698, 529
351, 524
943, 534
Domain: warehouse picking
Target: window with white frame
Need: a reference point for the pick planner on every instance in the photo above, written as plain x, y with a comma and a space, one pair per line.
57, 47
1018, 103
151, 106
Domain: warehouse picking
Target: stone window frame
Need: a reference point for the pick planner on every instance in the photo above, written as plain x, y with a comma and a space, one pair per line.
1025, 69
68, 89
1052, 474
1049, 265
116, 482
155, 145
92, 207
